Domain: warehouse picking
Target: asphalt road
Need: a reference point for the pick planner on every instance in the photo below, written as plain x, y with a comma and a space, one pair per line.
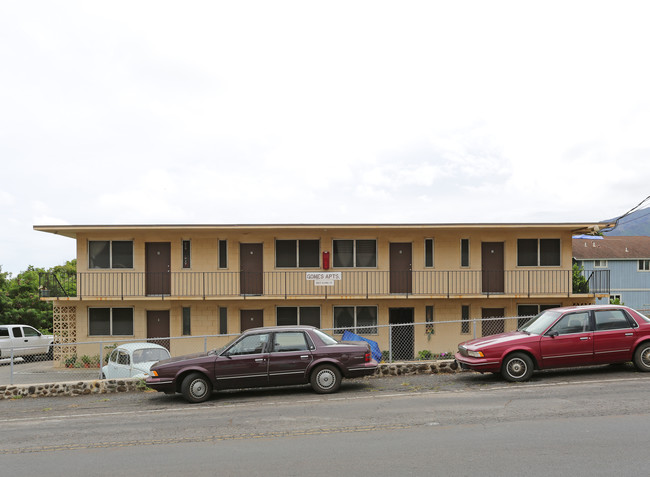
580, 422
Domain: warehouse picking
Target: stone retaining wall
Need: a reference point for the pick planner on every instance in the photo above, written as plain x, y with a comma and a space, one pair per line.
78, 388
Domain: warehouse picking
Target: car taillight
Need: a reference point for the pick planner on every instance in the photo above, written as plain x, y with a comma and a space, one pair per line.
368, 357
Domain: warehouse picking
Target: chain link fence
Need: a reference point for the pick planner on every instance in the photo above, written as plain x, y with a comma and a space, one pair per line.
82, 361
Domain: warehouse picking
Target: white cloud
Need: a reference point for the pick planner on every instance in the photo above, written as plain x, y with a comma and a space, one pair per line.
300, 112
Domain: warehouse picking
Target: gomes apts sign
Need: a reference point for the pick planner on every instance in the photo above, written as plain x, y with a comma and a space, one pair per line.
323, 279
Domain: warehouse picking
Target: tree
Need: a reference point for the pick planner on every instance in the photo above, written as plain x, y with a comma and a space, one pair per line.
20, 298
580, 284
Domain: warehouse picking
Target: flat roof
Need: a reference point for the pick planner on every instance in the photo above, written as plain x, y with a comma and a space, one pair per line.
72, 230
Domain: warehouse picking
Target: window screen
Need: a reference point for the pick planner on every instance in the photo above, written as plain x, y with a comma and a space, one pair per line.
549, 252
223, 254
428, 253
527, 252
122, 321
285, 253
287, 315
223, 320
343, 253
464, 252
187, 248
187, 330
343, 318
99, 321
308, 253
464, 316
99, 255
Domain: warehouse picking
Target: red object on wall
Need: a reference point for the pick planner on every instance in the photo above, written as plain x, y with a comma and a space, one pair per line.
326, 260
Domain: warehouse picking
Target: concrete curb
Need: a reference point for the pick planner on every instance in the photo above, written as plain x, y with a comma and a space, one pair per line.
109, 386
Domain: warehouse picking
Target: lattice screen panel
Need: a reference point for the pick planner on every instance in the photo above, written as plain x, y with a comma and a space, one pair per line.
65, 331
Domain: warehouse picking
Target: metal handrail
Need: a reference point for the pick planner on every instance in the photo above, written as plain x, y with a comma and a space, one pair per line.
294, 283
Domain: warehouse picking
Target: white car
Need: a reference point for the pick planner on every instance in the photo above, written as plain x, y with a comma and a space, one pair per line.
23, 340
133, 360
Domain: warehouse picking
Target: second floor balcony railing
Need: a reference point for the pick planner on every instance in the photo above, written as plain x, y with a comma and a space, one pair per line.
348, 284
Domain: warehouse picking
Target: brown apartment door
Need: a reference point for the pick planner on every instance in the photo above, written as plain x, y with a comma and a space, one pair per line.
158, 268
492, 327
493, 270
158, 327
251, 275
401, 280
251, 319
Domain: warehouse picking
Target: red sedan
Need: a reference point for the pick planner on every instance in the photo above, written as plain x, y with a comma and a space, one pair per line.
562, 337
276, 356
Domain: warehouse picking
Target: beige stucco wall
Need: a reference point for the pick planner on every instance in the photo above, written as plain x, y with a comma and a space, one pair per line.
205, 312
446, 249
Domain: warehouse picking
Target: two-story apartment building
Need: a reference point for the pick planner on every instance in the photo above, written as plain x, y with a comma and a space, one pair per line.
152, 281
627, 259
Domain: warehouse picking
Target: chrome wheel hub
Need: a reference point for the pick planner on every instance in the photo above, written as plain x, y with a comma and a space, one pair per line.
516, 368
197, 388
325, 379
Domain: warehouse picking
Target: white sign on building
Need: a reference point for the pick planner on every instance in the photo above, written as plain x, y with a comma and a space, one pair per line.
323, 279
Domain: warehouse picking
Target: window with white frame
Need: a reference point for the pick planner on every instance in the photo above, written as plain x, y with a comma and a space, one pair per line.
644, 265
298, 315
361, 253
223, 254
600, 263
187, 321
186, 245
110, 254
110, 321
428, 312
464, 252
297, 253
357, 319
464, 319
538, 252
428, 253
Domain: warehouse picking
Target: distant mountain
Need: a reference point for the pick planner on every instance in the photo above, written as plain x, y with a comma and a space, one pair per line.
637, 223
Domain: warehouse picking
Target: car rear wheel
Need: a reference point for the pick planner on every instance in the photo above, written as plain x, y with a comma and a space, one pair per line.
326, 379
642, 357
517, 367
196, 388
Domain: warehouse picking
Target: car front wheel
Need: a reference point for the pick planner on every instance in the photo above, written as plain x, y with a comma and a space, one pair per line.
642, 357
196, 388
517, 367
326, 379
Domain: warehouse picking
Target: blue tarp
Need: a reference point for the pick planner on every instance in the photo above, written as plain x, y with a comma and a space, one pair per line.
374, 347
589, 237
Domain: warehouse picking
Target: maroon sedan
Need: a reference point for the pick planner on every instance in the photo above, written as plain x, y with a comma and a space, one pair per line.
562, 337
277, 356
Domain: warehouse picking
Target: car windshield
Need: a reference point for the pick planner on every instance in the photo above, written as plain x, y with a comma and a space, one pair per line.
326, 339
540, 323
150, 354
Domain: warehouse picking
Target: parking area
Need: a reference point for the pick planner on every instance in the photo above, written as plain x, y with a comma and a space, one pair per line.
42, 371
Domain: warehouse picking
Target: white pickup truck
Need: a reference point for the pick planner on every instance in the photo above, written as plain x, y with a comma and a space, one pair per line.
24, 340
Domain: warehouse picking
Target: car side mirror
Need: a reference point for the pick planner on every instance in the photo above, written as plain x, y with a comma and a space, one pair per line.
553, 334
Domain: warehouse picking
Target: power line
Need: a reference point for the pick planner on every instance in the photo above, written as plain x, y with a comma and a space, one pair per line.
626, 214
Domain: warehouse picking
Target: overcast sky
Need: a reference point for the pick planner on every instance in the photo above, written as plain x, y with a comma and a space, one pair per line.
317, 112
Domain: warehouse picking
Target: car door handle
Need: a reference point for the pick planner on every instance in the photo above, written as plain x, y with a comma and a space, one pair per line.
584, 338
629, 334
304, 356
259, 360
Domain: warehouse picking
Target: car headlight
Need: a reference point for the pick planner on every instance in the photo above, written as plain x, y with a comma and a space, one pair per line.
475, 354
154, 374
